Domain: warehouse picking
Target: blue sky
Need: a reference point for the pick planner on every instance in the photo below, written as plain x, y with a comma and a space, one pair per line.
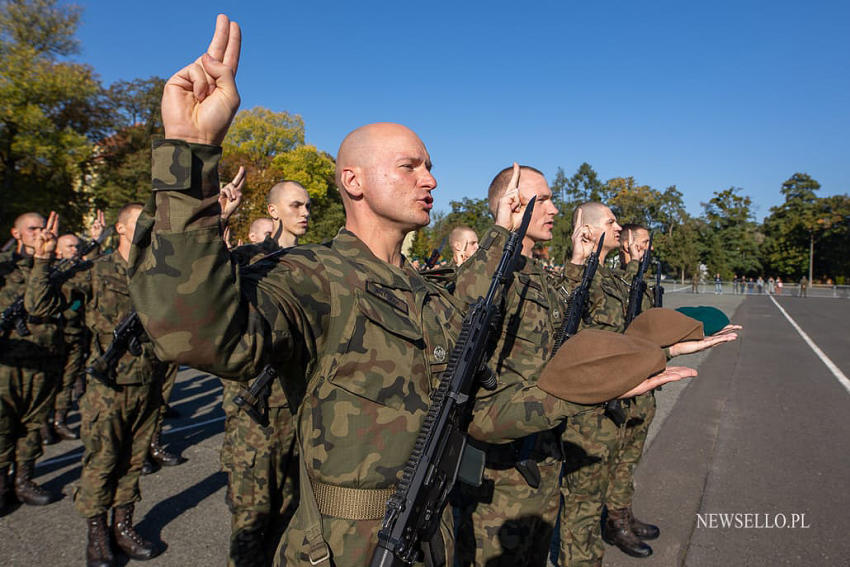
703, 96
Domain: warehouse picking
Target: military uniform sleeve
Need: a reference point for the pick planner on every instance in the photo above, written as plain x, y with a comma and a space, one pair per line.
194, 303
41, 299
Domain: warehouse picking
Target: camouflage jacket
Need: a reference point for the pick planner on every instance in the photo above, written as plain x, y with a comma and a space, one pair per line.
74, 292
533, 310
108, 302
245, 256
28, 276
368, 339
608, 299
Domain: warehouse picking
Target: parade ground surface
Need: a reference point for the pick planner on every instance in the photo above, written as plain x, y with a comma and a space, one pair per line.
760, 440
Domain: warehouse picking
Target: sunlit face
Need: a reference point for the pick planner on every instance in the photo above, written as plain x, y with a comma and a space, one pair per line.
606, 223
398, 182
292, 209
543, 217
67, 247
26, 231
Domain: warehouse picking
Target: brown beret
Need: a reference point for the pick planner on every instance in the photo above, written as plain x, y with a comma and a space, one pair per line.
665, 327
596, 366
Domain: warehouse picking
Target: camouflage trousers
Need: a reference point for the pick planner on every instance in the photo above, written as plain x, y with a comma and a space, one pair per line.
167, 386
621, 485
73, 367
117, 426
590, 442
25, 397
506, 521
262, 480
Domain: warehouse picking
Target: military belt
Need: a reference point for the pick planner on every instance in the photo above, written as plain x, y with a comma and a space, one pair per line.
351, 503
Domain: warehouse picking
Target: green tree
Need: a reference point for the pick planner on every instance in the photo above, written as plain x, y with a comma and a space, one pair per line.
50, 112
731, 235
791, 228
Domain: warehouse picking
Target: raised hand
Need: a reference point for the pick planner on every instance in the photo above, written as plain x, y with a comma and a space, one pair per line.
230, 196
509, 209
636, 251
45, 240
582, 241
200, 100
97, 226
670, 374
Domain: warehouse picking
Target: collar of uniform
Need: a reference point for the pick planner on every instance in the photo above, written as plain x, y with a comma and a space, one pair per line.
116, 258
384, 273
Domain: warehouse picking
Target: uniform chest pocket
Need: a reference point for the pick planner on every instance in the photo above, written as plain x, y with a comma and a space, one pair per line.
382, 361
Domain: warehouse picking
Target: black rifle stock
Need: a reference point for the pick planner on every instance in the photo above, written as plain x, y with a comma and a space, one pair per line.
125, 338
525, 465
413, 512
435, 255
255, 400
658, 296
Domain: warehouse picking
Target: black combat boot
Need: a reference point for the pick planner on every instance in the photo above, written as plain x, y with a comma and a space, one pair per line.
5, 498
161, 455
60, 425
28, 491
148, 467
642, 529
99, 548
616, 531
127, 538
48, 436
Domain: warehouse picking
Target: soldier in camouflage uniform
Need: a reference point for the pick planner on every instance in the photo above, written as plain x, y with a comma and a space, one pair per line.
619, 518
27, 362
74, 334
464, 242
118, 420
368, 333
260, 462
512, 518
592, 439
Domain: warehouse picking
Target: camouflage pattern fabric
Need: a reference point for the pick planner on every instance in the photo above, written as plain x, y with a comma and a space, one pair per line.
508, 522
621, 486
593, 444
117, 423
370, 338
262, 479
75, 337
27, 364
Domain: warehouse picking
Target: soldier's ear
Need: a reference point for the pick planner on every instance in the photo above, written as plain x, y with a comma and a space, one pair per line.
351, 181
272, 211
16, 234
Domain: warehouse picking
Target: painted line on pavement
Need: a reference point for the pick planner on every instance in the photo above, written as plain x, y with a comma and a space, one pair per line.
77, 455
839, 375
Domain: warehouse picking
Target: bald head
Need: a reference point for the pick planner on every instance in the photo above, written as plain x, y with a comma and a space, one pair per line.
26, 230
67, 246
591, 212
464, 243
285, 191
289, 208
128, 211
361, 147
260, 229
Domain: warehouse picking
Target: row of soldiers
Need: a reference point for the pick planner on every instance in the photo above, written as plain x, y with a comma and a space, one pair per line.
59, 303
357, 339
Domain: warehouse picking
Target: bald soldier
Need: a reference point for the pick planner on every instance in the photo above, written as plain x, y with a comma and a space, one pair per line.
289, 208
28, 355
591, 439
260, 461
260, 229
464, 243
352, 320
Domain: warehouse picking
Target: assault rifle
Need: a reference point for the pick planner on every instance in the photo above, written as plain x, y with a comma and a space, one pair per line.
15, 315
413, 512
435, 255
255, 400
614, 408
638, 287
525, 465
126, 337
